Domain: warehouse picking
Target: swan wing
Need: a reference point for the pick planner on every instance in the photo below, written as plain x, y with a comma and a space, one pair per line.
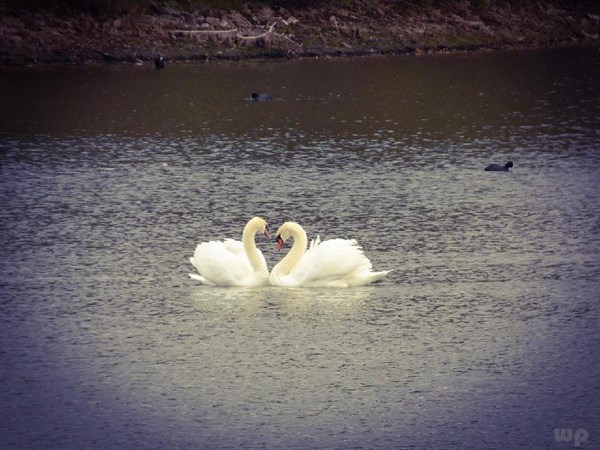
222, 263
334, 263
237, 248
234, 247
331, 261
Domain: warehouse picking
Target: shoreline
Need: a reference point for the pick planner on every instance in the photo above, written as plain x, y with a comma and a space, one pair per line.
368, 28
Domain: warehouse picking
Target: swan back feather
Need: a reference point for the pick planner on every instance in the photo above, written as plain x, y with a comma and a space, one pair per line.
331, 263
231, 262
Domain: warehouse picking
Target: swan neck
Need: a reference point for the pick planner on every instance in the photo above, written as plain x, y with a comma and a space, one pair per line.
299, 248
291, 260
248, 240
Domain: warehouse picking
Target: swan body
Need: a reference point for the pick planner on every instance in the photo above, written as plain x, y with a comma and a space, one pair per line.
231, 262
499, 167
331, 263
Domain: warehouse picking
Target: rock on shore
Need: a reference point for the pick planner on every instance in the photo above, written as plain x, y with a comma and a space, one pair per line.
257, 30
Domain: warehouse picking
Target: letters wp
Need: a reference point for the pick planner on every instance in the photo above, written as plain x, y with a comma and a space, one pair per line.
566, 435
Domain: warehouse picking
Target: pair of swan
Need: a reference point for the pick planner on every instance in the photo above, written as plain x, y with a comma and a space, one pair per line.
331, 263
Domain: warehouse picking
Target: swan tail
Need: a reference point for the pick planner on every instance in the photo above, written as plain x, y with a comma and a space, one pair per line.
374, 276
201, 279
364, 278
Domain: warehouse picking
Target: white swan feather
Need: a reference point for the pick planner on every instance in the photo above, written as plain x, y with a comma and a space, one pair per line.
331, 263
233, 263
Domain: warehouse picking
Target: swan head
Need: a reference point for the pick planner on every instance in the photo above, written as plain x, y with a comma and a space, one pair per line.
284, 233
280, 239
280, 242
508, 165
258, 225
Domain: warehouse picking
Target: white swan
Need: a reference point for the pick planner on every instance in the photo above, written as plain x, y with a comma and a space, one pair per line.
332, 263
231, 262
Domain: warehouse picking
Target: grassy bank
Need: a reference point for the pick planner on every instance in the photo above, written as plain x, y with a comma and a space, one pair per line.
80, 31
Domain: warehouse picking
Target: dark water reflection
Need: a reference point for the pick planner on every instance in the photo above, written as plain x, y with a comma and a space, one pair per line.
415, 99
484, 336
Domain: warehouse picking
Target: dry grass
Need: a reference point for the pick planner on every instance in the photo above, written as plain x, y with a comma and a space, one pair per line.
113, 8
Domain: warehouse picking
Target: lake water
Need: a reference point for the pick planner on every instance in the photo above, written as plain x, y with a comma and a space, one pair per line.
485, 335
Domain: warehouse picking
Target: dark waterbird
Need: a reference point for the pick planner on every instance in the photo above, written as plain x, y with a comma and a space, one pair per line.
260, 97
499, 167
159, 62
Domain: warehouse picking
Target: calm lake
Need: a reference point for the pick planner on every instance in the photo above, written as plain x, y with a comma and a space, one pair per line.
485, 335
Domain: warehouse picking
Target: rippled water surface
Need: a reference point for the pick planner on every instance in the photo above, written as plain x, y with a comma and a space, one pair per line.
485, 335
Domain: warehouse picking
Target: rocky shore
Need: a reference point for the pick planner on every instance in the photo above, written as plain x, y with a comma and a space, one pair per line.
256, 30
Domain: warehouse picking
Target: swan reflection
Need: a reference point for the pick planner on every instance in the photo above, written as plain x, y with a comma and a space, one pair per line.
284, 302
